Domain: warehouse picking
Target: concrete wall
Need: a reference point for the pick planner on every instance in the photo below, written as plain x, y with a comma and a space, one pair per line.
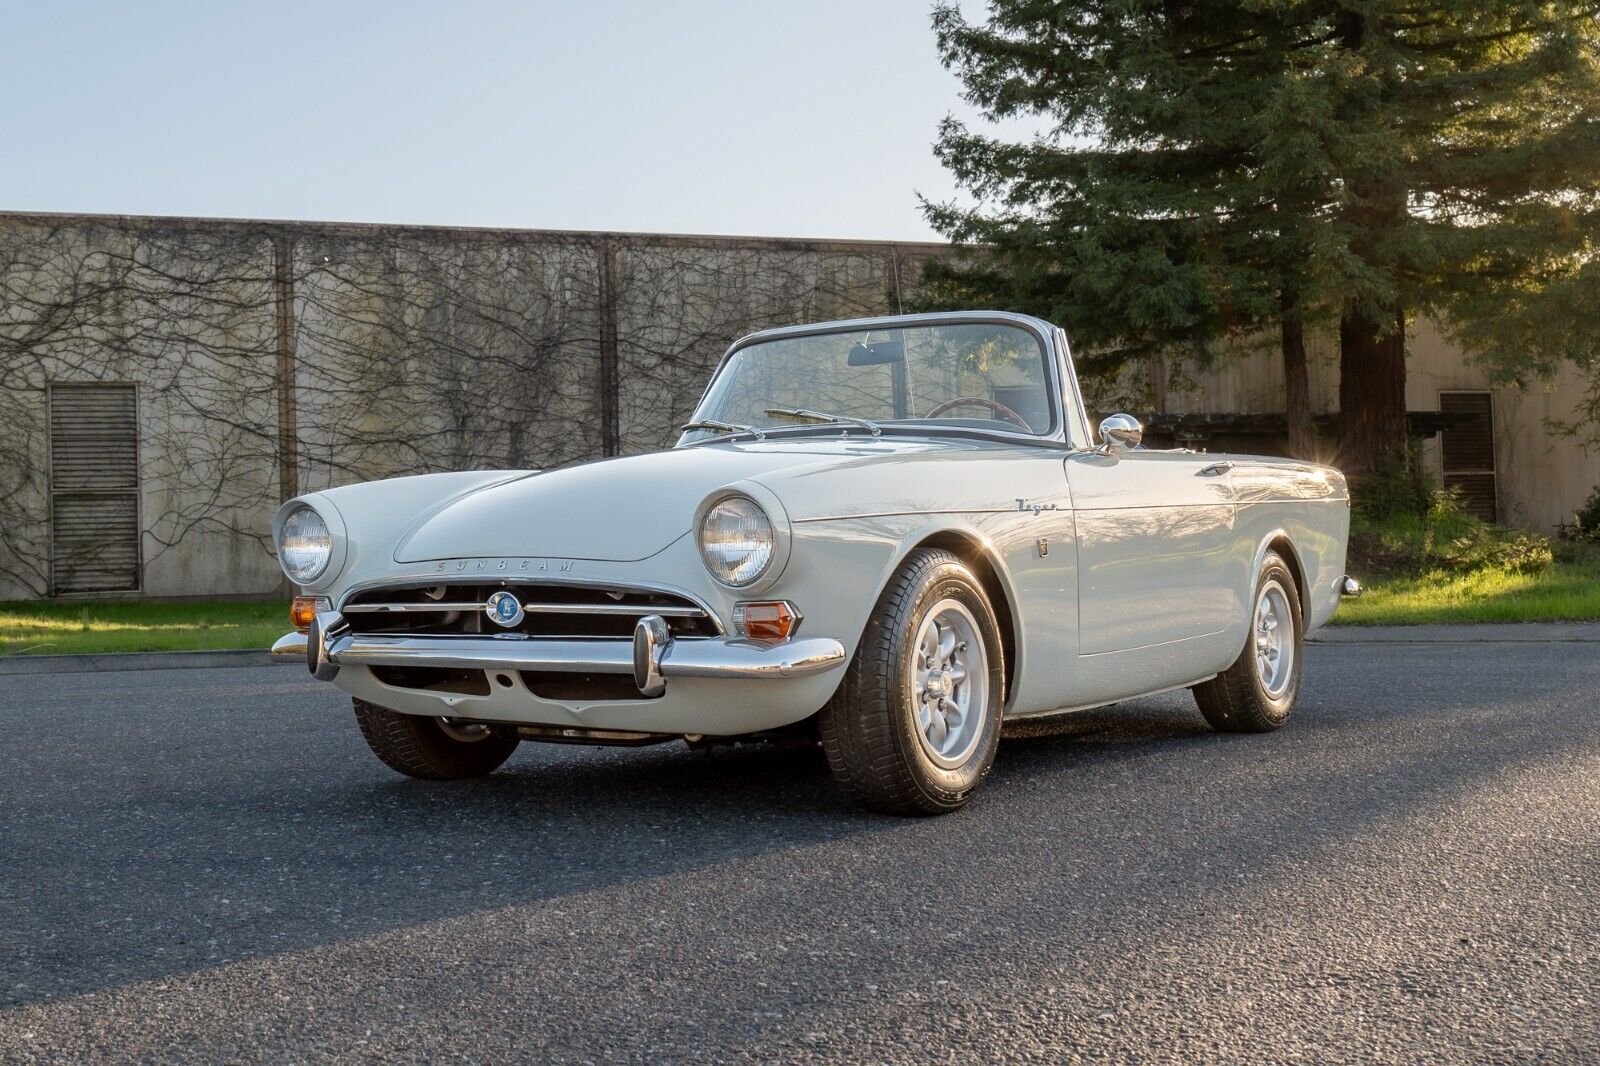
188, 319
274, 358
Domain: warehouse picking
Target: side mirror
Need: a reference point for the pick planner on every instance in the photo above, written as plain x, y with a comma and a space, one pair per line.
1120, 431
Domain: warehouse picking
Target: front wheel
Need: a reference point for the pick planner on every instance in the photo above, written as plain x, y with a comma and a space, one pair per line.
434, 749
914, 727
1256, 693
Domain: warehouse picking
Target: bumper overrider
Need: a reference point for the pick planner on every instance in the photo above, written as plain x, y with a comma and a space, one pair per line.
652, 657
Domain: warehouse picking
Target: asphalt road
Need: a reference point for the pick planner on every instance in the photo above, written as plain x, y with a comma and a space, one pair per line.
208, 865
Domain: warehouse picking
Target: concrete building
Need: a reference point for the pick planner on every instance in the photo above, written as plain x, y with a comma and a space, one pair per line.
165, 383
1496, 446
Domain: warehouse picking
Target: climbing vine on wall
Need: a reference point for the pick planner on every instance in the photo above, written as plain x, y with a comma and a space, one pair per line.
275, 359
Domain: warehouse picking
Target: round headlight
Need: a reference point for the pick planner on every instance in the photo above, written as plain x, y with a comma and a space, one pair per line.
305, 546
736, 541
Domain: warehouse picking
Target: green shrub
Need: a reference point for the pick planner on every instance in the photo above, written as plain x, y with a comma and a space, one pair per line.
1442, 538
1514, 550
1586, 519
1401, 486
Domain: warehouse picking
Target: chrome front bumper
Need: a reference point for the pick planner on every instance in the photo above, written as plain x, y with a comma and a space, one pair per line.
652, 657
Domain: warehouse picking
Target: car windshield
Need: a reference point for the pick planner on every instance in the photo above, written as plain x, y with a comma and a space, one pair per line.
974, 375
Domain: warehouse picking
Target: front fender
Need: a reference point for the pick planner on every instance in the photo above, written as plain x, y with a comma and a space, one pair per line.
367, 519
840, 567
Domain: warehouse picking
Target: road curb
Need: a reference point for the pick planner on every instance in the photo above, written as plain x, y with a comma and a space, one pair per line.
146, 660
1464, 633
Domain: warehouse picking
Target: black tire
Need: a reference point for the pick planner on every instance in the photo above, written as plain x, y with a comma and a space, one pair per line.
870, 729
419, 747
1239, 700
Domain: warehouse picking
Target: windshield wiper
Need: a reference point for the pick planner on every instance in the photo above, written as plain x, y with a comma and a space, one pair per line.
721, 427
822, 417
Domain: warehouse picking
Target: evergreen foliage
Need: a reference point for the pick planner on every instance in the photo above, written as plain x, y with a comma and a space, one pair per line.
1205, 169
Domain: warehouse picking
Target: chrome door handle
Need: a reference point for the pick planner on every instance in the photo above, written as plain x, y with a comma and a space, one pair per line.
1214, 470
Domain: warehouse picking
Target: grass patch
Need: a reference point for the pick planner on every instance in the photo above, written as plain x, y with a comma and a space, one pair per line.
1567, 591
95, 627
1440, 565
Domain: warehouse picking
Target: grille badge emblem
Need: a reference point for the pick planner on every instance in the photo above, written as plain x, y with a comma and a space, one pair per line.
504, 609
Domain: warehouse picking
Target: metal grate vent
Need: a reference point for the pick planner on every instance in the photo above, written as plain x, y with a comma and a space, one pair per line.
1476, 492
551, 610
1467, 451
94, 488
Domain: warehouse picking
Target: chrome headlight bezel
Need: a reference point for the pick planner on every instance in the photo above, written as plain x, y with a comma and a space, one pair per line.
333, 557
304, 535
777, 525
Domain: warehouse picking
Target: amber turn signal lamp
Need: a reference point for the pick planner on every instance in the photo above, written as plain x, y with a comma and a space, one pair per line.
305, 608
766, 620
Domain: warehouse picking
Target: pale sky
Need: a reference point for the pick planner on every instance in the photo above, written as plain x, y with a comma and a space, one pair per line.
806, 119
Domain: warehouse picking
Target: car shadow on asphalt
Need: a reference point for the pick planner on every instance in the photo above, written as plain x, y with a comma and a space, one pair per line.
334, 848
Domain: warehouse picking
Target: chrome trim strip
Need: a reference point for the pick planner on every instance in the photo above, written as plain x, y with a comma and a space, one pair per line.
1075, 409
919, 429
710, 658
912, 514
411, 608
633, 610
613, 608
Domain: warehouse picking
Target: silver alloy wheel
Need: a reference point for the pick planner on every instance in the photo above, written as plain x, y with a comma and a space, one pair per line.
466, 732
949, 683
1274, 637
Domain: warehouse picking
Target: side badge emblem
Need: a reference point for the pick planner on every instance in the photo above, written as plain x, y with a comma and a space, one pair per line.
504, 609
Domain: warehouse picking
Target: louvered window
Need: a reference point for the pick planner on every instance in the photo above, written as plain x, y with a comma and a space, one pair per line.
1468, 451
94, 488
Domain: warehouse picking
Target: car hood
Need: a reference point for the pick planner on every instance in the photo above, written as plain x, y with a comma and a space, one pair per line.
631, 508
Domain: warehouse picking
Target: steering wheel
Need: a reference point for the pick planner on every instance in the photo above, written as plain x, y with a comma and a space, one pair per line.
978, 401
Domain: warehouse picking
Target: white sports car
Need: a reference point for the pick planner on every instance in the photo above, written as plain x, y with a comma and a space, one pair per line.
886, 534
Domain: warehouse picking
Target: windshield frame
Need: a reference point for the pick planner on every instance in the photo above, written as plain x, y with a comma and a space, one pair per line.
1042, 332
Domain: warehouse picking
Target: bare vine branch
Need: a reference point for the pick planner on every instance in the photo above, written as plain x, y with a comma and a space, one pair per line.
414, 351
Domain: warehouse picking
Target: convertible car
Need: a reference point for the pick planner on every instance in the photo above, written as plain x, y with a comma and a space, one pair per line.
885, 535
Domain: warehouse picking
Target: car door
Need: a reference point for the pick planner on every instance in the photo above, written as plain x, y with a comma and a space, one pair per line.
1155, 531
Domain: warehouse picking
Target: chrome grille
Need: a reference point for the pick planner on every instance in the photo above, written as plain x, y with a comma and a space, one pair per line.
553, 610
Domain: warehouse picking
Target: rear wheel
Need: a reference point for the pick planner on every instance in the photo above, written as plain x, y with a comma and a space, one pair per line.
435, 749
914, 727
1256, 693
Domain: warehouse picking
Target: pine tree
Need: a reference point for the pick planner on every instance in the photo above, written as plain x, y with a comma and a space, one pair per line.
1216, 168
